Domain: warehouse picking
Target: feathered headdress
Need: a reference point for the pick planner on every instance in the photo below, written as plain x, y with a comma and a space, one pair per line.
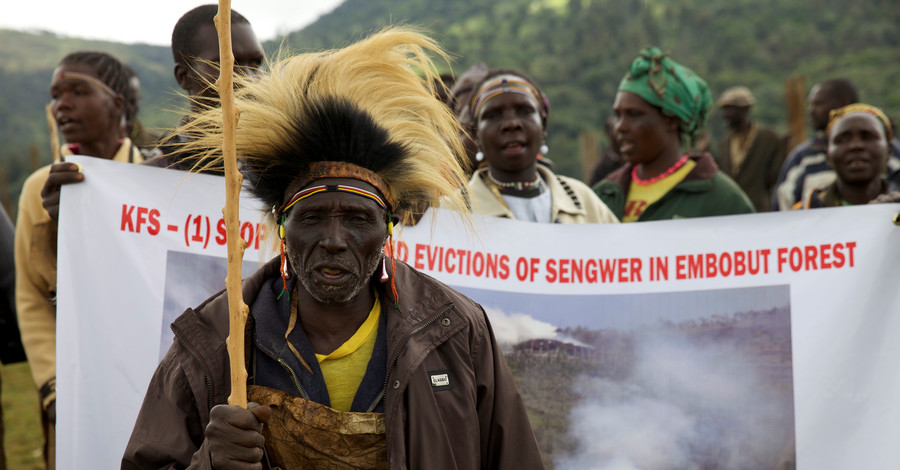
369, 105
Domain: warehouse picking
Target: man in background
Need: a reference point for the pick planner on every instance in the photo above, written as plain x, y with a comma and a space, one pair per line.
195, 49
751, 154
805, 167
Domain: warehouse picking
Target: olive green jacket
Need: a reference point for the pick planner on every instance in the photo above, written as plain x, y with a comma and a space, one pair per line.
705, 192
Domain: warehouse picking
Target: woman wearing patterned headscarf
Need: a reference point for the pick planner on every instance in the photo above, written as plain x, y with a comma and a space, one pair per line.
661, 108
859, 146
510, 114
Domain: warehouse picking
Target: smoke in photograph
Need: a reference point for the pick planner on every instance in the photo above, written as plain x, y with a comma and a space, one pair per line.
710, 390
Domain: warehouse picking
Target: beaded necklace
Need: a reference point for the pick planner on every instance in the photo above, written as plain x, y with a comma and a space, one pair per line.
634, 172
517, 185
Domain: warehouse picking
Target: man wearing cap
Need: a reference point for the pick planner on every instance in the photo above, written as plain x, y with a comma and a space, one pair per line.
355, 359
751, 154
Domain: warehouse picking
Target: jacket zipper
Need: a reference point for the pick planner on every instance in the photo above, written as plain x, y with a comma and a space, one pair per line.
288, 369
375, 403
396, 356
294, 379
206, 377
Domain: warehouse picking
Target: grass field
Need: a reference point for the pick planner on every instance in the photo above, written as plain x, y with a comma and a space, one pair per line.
21, 419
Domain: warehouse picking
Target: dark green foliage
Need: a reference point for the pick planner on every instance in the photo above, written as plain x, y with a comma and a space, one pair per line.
578, 50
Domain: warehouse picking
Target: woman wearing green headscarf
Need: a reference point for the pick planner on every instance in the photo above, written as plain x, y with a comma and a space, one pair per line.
660, 108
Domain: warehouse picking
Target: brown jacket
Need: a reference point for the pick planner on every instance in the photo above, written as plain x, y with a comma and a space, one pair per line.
478, 423
758, 174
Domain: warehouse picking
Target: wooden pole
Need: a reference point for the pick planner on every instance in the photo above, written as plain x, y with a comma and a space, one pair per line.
237, 309
587, 143
795, 97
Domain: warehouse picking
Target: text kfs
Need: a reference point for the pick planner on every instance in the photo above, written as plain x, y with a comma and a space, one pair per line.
137, 219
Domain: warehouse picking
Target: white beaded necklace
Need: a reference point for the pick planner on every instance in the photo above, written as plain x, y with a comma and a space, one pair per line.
517, 185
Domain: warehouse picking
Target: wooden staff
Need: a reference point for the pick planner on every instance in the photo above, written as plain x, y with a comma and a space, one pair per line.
587, 144
237, 309
54, 134
795, 97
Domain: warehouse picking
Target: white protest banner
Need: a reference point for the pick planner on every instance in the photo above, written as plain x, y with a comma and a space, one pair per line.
127, 261
733, 342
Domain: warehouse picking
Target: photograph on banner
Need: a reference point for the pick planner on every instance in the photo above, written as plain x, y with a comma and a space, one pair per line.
693, 379
190, 279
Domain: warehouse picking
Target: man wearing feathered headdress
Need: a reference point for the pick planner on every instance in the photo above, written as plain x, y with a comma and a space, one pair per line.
356, 360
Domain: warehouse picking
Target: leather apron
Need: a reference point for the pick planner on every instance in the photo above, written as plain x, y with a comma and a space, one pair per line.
305, 434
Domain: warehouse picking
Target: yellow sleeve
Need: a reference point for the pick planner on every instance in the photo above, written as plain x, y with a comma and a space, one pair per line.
35, 258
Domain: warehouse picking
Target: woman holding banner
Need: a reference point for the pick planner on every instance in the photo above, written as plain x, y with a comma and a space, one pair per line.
660, 109
87, 93
510, 114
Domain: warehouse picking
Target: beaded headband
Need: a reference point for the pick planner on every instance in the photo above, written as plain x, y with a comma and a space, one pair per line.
504, 84
325, 188
85, 77
329, 169
838, 113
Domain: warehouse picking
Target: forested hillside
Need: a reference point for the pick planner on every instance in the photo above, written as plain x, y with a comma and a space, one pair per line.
576, 49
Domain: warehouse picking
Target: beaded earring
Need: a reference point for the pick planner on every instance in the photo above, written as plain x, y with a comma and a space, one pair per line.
384, 274
285, 274
479, 156
544, 149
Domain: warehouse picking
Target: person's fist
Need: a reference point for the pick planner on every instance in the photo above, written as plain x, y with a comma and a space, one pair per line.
234, 436
60, 174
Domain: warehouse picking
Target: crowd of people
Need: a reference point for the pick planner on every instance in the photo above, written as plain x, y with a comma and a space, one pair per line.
365, 145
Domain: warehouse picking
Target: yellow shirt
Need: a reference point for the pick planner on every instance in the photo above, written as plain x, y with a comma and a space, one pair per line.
641, 196
344, 368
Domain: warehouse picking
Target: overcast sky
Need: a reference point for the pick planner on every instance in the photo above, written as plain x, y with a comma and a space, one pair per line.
151, 22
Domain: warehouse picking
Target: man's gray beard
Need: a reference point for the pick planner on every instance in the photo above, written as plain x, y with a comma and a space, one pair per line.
358, 283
